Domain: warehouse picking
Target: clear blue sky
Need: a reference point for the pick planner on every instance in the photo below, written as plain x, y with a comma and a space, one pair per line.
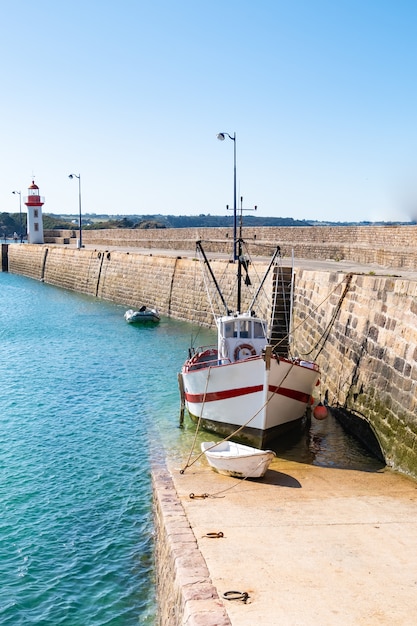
322, 96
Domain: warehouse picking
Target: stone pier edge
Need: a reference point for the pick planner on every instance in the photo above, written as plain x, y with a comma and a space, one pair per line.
185, 592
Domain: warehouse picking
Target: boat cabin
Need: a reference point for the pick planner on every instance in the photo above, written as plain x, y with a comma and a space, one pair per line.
240, 336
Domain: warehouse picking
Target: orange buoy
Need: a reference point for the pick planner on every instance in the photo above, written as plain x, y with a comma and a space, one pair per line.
320, 412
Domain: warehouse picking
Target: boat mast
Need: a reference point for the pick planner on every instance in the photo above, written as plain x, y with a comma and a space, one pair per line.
238, 245
239, 274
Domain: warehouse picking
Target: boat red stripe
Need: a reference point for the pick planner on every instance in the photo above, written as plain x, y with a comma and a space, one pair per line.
221, 395
214, 396
300, 396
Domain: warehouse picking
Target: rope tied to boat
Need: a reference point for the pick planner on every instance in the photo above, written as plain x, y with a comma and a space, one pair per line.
239, 481
188, 464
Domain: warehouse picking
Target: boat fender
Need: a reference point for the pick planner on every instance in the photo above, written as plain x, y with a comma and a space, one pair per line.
244, 350
320, 412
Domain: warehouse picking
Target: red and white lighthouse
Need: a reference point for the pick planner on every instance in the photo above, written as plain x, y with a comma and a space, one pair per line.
34, 203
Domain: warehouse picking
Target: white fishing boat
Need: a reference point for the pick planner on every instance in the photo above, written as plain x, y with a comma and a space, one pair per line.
243, 386
144, 314
237, 460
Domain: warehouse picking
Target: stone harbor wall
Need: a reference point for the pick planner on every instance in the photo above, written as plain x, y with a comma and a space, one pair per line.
364, 338
185, 591
172, 284
362, 330
394, 246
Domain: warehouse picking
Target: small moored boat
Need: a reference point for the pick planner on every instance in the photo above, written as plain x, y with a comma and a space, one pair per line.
144, 314
237, 460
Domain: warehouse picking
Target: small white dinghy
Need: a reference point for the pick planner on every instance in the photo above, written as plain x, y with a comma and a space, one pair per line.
235, 459
144, 314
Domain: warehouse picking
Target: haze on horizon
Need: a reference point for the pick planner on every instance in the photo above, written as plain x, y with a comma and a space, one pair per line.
131, 96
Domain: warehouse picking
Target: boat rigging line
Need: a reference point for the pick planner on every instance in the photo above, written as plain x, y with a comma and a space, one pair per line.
276, 254
326, 332
216, 284
325, 335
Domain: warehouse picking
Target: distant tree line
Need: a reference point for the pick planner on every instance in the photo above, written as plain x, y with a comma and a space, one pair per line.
192, 221
10, 222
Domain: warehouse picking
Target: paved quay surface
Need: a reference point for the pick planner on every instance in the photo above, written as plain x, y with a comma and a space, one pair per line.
329, 265
310, 545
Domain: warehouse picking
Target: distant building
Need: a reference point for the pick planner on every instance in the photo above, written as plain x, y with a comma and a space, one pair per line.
34, 203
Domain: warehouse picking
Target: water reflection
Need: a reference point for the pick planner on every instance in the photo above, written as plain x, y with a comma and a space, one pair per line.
325, 443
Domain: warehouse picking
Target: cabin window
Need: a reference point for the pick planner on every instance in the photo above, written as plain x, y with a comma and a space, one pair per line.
229, 330
258, 330
245, 329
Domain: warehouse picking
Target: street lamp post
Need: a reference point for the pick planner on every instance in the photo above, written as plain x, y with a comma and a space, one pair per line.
80, 243
221, 137
20, 214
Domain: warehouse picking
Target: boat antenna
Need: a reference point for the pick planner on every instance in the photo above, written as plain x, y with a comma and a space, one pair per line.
241, 261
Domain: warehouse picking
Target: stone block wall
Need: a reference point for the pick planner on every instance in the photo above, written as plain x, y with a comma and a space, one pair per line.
27, 259
363, 333
389, 246
186, 594
173, 284
380, 236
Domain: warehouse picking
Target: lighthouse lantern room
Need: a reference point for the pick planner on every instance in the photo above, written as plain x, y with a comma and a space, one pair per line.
34, 203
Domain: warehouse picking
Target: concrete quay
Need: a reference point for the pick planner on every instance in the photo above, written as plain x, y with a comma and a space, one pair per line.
309, 545
328, 265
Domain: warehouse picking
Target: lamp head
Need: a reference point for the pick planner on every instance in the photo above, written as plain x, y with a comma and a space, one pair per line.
71, 176
220, 136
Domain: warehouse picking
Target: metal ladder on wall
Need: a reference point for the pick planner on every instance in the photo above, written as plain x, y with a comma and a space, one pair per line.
282, 290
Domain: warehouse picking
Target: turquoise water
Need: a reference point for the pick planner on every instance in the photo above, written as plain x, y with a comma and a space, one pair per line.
81, 393
86, 401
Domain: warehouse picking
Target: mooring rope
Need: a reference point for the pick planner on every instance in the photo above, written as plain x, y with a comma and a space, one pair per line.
217, 494
324, 337
188, 464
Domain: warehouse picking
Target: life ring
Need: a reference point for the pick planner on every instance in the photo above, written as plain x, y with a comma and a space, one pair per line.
243, 351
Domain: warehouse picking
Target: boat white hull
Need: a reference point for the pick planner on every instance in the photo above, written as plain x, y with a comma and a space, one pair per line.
246, 394
239, 461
